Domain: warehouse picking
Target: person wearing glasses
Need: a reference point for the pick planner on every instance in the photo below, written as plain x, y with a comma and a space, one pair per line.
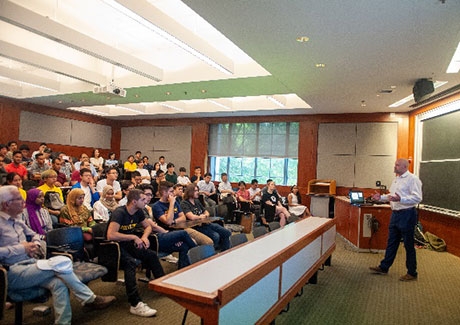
112, 176
24, 272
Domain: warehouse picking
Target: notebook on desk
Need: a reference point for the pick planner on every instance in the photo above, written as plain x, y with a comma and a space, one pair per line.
357, 198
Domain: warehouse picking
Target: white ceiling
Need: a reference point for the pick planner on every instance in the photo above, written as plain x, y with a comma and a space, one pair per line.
367, 46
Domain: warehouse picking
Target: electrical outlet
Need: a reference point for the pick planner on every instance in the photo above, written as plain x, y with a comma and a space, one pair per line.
367, 219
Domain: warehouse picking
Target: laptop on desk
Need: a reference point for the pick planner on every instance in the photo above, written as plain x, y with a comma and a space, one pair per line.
357, 198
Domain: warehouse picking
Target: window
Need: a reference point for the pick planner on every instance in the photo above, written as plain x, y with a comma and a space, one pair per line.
255, 150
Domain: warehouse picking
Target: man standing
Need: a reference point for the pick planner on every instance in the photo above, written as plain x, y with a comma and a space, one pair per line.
132, 248
24, 272
405, 194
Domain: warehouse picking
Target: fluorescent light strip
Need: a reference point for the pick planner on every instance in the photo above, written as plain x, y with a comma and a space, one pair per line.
276, 101
454, 65
127, 109
28, 84
89, 111
218, 104
437, 84
166, 35
172, 107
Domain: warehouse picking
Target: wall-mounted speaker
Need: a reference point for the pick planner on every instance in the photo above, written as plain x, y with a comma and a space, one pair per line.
422, 89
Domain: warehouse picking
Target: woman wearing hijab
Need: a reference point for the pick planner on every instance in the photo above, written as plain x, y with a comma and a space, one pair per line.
75, 213
35, 216
103, 208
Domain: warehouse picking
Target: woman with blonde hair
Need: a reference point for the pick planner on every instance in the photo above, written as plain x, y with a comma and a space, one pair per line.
75, 213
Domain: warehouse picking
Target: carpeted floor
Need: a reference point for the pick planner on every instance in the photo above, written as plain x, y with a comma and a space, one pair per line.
346, 293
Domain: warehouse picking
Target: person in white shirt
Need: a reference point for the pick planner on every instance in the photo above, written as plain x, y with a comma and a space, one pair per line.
112, 176
405, 194
208, 190
145, 175
182, 179
163, 164
255, 192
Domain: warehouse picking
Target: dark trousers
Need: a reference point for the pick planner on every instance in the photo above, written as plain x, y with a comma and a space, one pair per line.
402, 225
130, 258
219, 235
176, 241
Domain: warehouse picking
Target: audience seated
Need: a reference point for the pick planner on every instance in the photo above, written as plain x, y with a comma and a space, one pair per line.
170, 175
111, 174
197, 175
88, 187
194, 210
75, 213
12, 147
294, 203
167, 212
97, 161
132, 248
126, 186
16, 165
41, 149
3, 152
129, 165
168, 241
208, 190
61, 180
38, 167
26, 273
103, 208
163, 164
243, 196
49, 178
16, 180
145, 175
35, 215
271, 198
183, 179
2, 170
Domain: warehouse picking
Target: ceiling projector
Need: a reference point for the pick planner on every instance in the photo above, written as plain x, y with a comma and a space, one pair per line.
110, 89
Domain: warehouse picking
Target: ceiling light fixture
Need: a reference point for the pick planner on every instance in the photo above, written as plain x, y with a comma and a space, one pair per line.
320, 65
146, 23
437, 84
89, 111
302, 39
172, 107
218, 104
454, 65
27, 79
276, 101
129, 109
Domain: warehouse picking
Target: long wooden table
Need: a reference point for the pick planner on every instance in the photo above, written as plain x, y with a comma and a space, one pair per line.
253, 282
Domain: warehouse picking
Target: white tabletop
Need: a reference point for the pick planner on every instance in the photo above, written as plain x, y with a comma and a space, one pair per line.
216, 273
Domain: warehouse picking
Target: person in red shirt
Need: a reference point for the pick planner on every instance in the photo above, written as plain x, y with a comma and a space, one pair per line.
16, 165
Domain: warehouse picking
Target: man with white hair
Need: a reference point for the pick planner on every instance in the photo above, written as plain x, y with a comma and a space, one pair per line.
25, 272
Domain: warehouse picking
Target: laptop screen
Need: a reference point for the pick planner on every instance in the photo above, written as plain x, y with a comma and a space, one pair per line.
356, 197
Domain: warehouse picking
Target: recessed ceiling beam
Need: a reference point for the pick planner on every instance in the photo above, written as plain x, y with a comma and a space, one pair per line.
45, 62
43, 26
29, 78
158, 18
